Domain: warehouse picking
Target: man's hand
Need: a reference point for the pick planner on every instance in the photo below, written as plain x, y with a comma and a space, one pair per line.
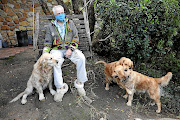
68, 53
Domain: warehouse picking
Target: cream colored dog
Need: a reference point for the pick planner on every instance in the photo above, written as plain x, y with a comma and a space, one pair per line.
137, 81
40, 78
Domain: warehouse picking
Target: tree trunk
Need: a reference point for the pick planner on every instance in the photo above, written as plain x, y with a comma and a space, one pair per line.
75, 4
44, 7
66, 10
91, 17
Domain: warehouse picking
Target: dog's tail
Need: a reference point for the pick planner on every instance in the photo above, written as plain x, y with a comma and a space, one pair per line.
17, 98
101, 62
165, 79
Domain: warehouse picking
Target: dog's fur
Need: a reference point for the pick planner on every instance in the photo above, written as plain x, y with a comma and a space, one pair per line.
109, 69
137, 81
40, 78
126, 63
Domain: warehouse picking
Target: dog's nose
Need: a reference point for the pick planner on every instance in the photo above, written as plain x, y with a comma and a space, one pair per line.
56, 61
116, 77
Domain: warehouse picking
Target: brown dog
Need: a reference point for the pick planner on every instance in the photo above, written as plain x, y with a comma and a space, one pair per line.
109, 69
137, 81
126, 63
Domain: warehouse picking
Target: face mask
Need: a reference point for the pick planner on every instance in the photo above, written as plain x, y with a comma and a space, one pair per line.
60, 17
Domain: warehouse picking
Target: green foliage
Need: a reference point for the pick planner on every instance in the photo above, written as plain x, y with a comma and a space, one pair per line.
144, 31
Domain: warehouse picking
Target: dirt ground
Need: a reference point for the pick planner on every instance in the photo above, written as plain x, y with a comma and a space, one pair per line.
110, 105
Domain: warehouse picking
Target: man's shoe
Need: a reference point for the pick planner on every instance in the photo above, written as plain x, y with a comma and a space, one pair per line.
80, 88
60, 93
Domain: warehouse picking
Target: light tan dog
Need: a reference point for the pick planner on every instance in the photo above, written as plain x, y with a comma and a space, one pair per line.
40, 78
109, 69
137, 81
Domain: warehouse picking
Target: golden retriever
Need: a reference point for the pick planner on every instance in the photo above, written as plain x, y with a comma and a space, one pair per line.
109, 69
40, 78
126, 63
137, 81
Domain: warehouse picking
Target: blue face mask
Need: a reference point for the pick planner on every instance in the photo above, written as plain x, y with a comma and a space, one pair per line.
60, 17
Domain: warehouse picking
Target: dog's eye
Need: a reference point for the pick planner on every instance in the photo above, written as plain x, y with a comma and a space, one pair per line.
125, 70
50, 58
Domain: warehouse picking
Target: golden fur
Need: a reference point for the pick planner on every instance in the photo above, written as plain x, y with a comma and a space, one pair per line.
40, 78
109, 69
126, 63
137, 81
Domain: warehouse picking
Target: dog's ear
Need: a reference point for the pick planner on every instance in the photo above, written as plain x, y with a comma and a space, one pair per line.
132, 65
117, 63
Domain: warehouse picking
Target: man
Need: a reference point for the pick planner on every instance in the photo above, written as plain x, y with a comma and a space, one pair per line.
61, 41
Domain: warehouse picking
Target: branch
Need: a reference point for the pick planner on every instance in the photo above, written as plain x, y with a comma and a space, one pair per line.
106, 38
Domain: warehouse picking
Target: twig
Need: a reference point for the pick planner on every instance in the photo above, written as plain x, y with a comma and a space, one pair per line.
106, 37
86, 4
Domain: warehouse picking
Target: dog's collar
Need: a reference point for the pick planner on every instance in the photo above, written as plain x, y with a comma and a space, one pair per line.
127, 77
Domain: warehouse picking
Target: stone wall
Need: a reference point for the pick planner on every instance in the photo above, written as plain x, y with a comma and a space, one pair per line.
17, 15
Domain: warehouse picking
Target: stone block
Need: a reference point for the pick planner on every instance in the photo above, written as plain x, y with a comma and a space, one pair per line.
30, 9
29, 28
26, 10
10, 33
12, 28
15, 17
4, 1
22, 19
24, 14
12, 1
16, 10
1, 7
8, 19
19, 14
17, 6
10, 24
4, 23
1, 19
24, 23
16, 21
21, 10
22, 28
13, 42
17, 26
23, 1
5, 27
7, 9
30, 19
11, 14
10, 5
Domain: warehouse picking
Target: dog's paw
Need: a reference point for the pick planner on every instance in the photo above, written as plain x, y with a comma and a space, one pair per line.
23, 101
128, 103
152, 104
41, 98
106, 88
158, 111
129, 91
53, 92
125, 96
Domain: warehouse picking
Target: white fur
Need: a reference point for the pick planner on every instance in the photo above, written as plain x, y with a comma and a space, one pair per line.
40, 78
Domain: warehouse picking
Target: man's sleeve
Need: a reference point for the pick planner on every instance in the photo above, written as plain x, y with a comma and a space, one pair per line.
75, 40
47, 41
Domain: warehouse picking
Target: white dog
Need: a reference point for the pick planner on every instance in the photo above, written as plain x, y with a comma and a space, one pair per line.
40, 78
